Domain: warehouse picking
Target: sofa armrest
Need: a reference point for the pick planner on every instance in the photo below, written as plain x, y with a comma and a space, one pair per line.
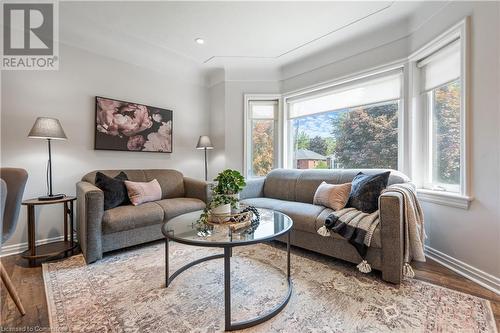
90, 208
253, 189
198, 189
392, 236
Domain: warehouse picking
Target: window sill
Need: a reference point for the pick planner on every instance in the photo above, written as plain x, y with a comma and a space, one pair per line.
445, 198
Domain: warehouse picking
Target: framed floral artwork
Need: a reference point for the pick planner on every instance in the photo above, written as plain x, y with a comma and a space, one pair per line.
127, 126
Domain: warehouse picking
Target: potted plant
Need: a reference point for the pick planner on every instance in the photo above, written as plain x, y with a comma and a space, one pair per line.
226, 191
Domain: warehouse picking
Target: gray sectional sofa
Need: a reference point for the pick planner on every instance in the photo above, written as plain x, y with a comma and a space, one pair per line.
291, 191
101, 231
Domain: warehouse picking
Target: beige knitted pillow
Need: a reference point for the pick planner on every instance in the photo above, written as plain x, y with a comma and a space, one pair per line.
334, 196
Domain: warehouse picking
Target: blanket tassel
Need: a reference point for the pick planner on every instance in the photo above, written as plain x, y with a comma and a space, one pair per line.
323, 231
364, 267
408, 271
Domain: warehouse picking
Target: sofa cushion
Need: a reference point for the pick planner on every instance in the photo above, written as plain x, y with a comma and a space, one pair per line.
133, 175
129, 217
263, 203
177, 206
297, 211
303, 215
280, 184
171, 182
300, 185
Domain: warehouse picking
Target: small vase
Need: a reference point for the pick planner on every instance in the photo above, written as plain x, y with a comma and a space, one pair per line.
222, 209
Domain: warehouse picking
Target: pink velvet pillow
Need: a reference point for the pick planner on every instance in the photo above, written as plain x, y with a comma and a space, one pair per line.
139, 192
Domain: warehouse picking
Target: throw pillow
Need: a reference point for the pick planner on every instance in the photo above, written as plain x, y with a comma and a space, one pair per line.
139, 192
366, 189
333, 196
115, 192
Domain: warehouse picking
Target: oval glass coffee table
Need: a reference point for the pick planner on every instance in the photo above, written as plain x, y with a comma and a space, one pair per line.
183, 229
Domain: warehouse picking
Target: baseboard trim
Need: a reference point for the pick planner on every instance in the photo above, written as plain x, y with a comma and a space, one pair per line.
10, 250
484, 279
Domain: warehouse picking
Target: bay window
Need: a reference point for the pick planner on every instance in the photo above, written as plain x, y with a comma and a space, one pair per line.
351, 125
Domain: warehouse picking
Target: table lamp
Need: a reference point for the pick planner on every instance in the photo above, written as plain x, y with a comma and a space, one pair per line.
205, 143
49, 129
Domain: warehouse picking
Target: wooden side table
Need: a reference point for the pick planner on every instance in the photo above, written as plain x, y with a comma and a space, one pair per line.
50, 250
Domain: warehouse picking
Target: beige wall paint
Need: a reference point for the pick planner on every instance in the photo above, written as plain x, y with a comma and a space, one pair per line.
68, 94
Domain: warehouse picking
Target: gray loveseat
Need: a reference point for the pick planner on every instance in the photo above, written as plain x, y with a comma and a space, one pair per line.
291, 192
101, 231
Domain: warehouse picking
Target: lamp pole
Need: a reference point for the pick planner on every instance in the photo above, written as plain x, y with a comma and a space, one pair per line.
206, 166
50, 169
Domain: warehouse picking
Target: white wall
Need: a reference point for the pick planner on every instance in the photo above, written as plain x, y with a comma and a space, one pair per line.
68, 94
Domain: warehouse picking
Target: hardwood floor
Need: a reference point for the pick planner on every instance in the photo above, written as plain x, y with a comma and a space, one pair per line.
29, 284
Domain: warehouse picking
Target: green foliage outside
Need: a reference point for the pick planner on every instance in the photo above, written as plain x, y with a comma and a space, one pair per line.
321, 165
262, 147
446, 123
367, 137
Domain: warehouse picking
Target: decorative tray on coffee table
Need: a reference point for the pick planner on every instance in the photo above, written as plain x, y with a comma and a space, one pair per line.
234, 221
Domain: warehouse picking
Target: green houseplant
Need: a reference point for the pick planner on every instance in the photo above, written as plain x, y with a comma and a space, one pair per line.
224, 195
225, 192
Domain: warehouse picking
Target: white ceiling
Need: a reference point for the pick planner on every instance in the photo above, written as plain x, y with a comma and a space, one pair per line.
235, 33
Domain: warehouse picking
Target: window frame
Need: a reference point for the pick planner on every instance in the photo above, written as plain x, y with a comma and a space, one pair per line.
380, 71
422, 128
247, 131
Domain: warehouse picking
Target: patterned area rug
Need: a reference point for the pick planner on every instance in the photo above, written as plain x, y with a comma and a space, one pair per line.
125, 292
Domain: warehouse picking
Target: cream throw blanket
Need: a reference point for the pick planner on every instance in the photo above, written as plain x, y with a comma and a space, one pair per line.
358, 228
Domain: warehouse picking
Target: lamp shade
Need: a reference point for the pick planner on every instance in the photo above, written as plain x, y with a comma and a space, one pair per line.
204, 142
47, 128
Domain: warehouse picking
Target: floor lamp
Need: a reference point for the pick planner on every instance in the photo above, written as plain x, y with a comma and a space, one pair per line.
205, 143
49, 129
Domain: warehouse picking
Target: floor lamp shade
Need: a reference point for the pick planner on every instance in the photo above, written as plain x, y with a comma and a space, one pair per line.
49, 129
205, 143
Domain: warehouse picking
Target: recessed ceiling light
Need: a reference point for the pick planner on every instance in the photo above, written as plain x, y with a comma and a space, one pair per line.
200, 41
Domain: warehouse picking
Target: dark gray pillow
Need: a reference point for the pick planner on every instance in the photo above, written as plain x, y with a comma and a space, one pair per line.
115, 192
366, 189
